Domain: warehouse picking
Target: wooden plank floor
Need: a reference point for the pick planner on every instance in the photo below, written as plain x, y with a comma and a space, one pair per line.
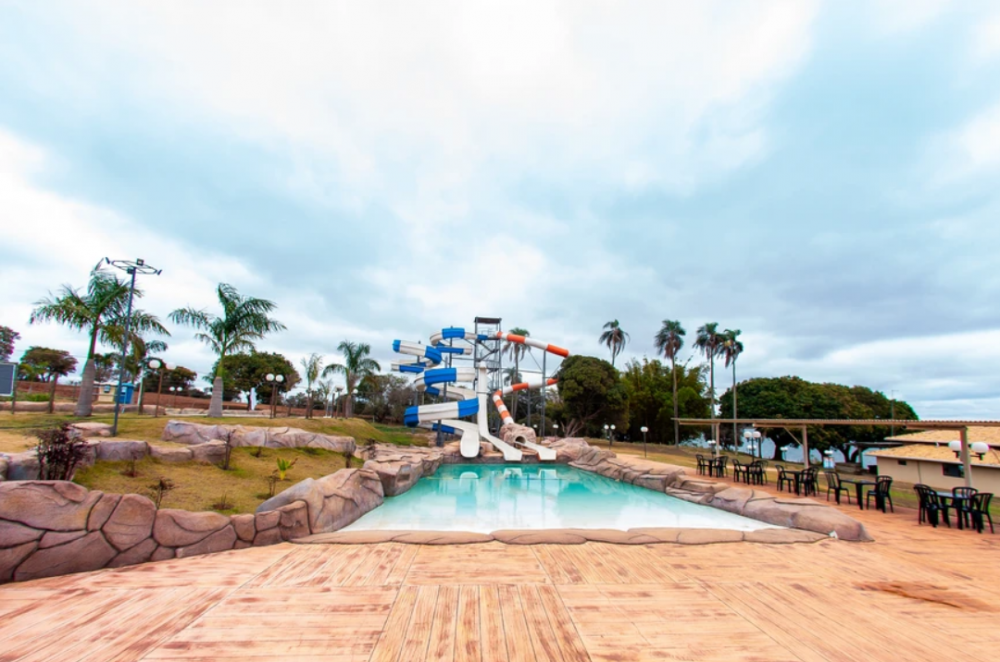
915, 594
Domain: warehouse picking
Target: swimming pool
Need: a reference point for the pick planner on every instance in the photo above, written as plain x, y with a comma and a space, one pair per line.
485, 498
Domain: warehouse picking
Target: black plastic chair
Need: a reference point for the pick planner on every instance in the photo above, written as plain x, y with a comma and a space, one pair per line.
962, 502
833, 485
763, 471
980, 509
703, 465
741, 471
755, 473
881, 493
808, 483
932, 506
784, 479
721, 467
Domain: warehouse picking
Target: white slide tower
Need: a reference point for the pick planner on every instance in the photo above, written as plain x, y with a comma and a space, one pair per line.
469, 399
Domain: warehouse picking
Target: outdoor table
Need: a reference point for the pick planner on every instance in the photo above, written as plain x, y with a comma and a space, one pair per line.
798, 479
859, 489
715, 466
955, 503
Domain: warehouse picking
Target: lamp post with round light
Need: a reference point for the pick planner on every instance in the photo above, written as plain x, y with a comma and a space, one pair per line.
607, 432
174, 390
274, 381
158, 366
644, 430
753, 441
555, 429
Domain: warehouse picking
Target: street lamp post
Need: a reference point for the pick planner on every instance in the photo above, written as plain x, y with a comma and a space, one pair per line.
753, 441
607, 432
157, 365
174, 390
555, 429
611, 436
275, 381
644, 430
132, 269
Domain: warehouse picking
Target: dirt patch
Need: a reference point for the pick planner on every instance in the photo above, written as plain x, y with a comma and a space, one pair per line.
928, 593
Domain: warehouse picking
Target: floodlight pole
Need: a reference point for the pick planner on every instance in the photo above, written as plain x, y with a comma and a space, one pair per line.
131, 268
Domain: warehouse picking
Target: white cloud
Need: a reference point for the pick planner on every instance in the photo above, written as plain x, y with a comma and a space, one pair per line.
968, 151
986, 38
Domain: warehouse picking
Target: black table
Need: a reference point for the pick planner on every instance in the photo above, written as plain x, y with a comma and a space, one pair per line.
798, 479
859, 489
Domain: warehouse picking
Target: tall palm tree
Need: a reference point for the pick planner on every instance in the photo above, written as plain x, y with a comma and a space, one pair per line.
311, 368
516, 351
244, 320
709, 341
357, 365
615, 338
669, 341
101, 312
731, 350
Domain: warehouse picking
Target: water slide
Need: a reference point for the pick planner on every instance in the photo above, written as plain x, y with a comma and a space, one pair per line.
468, 402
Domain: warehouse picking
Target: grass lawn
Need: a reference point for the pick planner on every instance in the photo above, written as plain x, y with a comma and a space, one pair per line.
200, 486
17, 431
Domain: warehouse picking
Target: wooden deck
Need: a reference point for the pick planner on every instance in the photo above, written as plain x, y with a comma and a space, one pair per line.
915, 594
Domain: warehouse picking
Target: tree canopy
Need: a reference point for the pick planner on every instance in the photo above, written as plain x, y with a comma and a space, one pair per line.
8, 337
245, 371
649, 386
49, 363
794, 397
591, 394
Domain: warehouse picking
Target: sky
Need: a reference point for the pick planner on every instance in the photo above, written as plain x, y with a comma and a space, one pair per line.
820, 175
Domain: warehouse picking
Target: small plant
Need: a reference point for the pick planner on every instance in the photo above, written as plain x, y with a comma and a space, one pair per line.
371, 449
309, 450
257, 451
272, 483
58, 453
283, 467
130, 469
159, 488
229, 450
224, 504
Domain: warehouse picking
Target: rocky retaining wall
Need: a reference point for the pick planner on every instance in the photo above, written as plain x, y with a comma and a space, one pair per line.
50, 528
186, 432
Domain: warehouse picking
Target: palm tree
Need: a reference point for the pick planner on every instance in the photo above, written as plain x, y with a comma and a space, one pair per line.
136, 364
731, 350
101, 312
669, 342
516, 351
311, 367
709, 341
615, 338
243, 321
357, 365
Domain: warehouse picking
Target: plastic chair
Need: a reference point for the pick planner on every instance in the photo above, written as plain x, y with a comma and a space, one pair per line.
962, 500
721, 466
763, 471
980, 509
808, 482
833, 485
784, 479
741, 471
881, 493
931, 506
703, 467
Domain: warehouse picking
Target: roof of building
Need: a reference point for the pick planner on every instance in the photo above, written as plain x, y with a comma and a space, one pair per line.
991, 435
930, 453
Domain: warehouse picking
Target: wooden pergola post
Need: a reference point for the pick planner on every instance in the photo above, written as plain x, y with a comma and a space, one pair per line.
805, 446
966, 459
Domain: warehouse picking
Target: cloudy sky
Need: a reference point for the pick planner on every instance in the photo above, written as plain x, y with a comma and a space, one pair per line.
823, 176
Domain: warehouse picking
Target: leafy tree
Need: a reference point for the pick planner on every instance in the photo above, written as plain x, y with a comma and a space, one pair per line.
244, 320
247, 371
104, 367
50, 364
591, 394
516, 351
7, 338
101, 312
793, 397
386, 396
311, 367
669, 340
357, 365
731, 350
651, 402
615, 338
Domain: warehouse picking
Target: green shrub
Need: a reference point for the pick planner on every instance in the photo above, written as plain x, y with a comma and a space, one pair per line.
33, 397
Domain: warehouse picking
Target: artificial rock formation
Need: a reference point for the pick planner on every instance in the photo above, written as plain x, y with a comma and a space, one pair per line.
186, 432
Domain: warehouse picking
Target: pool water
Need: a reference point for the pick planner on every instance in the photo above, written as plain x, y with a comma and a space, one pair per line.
485, 498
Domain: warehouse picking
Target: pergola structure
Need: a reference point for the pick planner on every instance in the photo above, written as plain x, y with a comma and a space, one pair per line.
788, 424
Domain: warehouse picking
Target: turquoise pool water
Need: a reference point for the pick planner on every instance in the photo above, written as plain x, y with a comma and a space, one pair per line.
485, 498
